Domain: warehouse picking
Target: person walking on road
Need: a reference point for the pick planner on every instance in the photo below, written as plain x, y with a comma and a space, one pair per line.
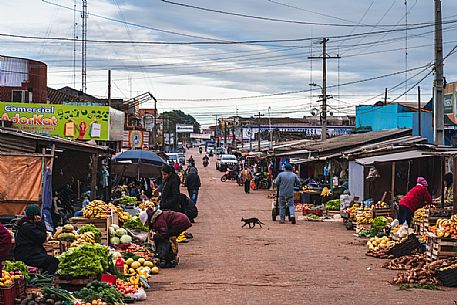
247, 176
193, 184
285, 182
169, 199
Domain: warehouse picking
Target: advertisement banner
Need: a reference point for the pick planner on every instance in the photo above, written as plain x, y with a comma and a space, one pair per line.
184, 128
204, 136
66, 121
135, 139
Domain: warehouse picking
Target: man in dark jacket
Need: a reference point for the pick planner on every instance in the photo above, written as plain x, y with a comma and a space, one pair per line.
166, 225
169, 199
30, 237
193, 184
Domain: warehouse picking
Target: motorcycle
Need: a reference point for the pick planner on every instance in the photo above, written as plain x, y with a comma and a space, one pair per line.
230, 175
261, 182
205, 163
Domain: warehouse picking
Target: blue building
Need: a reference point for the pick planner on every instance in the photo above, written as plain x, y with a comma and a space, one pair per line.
395, 116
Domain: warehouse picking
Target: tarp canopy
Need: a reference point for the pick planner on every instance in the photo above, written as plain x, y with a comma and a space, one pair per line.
137, 163
402, 156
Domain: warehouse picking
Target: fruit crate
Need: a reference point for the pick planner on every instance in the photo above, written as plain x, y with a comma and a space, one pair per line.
72, 283
382, 212
332, 213
7, 295
441, 248
432, 216
448, 277
20, 288
100, 223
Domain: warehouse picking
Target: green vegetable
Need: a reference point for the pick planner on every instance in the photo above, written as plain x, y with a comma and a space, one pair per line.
115, 241
378, 224
333, 205
127, 200
134, 223
120, 232
57, 293
93, 229
126, 239
17, 266
84, 260
98, 290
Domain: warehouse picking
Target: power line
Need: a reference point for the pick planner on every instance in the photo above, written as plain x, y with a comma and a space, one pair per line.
273, 19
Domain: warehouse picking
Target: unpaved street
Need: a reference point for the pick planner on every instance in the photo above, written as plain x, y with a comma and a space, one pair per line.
307, 263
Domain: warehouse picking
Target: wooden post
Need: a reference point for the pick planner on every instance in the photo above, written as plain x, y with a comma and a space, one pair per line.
454, 182
93, 175
393, 182
443, 169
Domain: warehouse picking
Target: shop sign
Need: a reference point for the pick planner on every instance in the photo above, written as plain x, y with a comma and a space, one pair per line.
66, 121
448, 103
184, 128
135, 139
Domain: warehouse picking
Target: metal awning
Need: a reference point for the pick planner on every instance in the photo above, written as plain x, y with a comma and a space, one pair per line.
402, 156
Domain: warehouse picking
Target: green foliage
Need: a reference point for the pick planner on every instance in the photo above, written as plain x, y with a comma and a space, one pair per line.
408, 287
93, 229
179, 117
84, 260
379, 224
99, 290
134, 223
333, 205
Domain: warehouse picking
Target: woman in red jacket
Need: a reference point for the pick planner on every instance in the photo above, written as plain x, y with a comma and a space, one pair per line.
5, 244
167, 225
415, 199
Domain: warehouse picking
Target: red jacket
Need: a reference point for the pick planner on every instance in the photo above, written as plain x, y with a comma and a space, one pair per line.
5, 242
170, 223
416, 198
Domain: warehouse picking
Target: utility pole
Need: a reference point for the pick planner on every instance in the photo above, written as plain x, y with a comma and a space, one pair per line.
258, 134
225, 134
438, 100
385, 97
84, 48
324, 85
419, 110
109, 88
154, 128
217, 123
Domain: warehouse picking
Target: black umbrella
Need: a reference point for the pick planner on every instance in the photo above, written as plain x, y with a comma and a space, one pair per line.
137, 163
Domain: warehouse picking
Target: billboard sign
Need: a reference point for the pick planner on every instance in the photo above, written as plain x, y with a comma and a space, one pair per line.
135, 139
448, 103
204, 136
66, 121
249, 132
184, 128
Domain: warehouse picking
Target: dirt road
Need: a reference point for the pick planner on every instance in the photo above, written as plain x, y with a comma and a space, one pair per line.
306, 263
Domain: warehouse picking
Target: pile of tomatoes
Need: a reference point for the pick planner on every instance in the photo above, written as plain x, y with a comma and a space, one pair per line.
125, 287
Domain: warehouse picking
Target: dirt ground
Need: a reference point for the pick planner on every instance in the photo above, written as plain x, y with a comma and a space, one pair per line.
306, 263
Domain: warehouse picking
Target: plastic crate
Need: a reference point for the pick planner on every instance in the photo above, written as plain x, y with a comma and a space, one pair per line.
7, 295
406, 247
20, 288
447, 277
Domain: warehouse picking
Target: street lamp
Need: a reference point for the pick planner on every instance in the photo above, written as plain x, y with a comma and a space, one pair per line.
324, 111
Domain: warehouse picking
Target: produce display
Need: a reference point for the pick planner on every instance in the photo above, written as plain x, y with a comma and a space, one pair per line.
312, 217
377, 243
49, 297
147, 204
118, 235
419, 215
40, 280
100, 291
17, 269
6, 280
326, 192
364, 218
134, 223
381, 205
126, 287
445, 227
128, 200
58, 294
66, 233
82, 239
379, 223
406, 262
139, 266
84, 260
123, 215
333, 205
93, 229
96, 209
421, 275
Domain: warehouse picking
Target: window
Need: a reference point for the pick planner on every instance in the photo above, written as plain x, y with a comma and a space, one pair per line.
18, 96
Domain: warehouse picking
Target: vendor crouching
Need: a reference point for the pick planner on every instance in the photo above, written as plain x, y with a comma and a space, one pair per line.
30, 237
166, 225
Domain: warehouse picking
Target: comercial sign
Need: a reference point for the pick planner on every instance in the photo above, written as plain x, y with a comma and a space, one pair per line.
66, 121
135, 139
184, 128
204, 136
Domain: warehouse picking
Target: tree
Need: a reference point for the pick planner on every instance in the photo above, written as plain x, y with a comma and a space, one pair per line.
179, 117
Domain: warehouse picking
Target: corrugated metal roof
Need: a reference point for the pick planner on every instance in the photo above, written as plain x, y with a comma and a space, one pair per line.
406, 155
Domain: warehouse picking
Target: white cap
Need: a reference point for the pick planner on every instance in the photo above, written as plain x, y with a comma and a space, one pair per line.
143, 217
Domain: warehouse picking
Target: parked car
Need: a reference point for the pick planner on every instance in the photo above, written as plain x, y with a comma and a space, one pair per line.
176, 157
219, 150
210, 149
225, 162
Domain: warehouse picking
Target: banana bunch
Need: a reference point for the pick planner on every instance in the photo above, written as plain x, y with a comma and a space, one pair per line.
123, 216
96, 209
146, 204
447, 227
326, 192
419, 215
86, 238
364, 218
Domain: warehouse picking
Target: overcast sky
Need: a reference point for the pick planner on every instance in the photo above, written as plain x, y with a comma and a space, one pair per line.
369, 36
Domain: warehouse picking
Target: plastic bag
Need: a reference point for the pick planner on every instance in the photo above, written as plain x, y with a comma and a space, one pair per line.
140, 295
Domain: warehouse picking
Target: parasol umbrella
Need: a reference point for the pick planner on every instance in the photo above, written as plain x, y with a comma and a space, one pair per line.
137, 163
